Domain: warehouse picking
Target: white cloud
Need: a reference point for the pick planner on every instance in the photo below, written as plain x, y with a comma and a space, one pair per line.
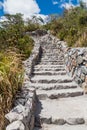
55, 2
3, 18
67, 6
26, 7
85, 1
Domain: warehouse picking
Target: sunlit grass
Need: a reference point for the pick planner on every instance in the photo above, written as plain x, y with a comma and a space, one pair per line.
11, 78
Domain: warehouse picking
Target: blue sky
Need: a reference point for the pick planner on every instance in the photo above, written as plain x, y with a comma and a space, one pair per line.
37, 7
1, 9
51, 6
48, 7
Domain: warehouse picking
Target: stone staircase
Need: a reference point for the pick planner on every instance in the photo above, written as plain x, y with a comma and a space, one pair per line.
61, 103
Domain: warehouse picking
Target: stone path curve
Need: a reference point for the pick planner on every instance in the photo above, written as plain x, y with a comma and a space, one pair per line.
61, 103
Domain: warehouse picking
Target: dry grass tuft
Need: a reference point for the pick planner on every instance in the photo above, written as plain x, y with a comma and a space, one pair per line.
11, 78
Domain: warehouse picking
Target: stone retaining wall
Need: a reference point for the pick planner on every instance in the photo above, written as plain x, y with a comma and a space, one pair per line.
32, 60
76, 65
21, 117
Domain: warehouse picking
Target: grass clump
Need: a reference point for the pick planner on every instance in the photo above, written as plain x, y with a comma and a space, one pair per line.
11, 78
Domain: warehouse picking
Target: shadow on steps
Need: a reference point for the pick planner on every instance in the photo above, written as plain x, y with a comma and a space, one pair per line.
37, 117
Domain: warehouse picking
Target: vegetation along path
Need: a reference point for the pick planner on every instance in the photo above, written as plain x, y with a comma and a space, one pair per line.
61, 103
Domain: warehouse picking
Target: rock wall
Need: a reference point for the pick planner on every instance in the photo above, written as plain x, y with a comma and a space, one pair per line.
76, 65
21, 117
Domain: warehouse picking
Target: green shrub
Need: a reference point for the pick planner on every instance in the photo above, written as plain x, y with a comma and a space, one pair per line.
62, 34
25, 45
71, 26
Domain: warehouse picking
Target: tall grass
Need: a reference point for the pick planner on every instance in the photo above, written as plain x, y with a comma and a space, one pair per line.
11, 78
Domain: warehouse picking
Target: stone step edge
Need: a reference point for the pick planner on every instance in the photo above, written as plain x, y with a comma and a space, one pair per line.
57, 95
49, 66
52, 81
48, 73
60, 121
51, 63
54, 86
49, 69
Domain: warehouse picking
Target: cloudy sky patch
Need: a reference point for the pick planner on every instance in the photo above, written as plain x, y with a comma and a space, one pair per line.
36, 7
26, 7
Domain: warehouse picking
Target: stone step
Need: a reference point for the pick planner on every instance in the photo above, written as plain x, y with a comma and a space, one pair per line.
51, 63
50, 52
48, 49
50, 46
55, 52
49, 72
49, 69
57, 55
50, 60
62, 93
63, 127
53, 56
50, 66
71, 111
51, 79
53, 86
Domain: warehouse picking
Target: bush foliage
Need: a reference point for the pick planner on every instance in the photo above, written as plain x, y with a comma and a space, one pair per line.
15, 46
71, 26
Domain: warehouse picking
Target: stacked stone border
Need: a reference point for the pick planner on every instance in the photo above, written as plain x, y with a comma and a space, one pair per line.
21, 117
76, 65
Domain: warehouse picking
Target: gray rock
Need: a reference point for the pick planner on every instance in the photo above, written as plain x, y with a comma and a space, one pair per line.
84, 70
78, 72
79, 60
20, 101
78, 80
75, 121
16, 125
47, 120
15, 114
82, 77
58, 121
